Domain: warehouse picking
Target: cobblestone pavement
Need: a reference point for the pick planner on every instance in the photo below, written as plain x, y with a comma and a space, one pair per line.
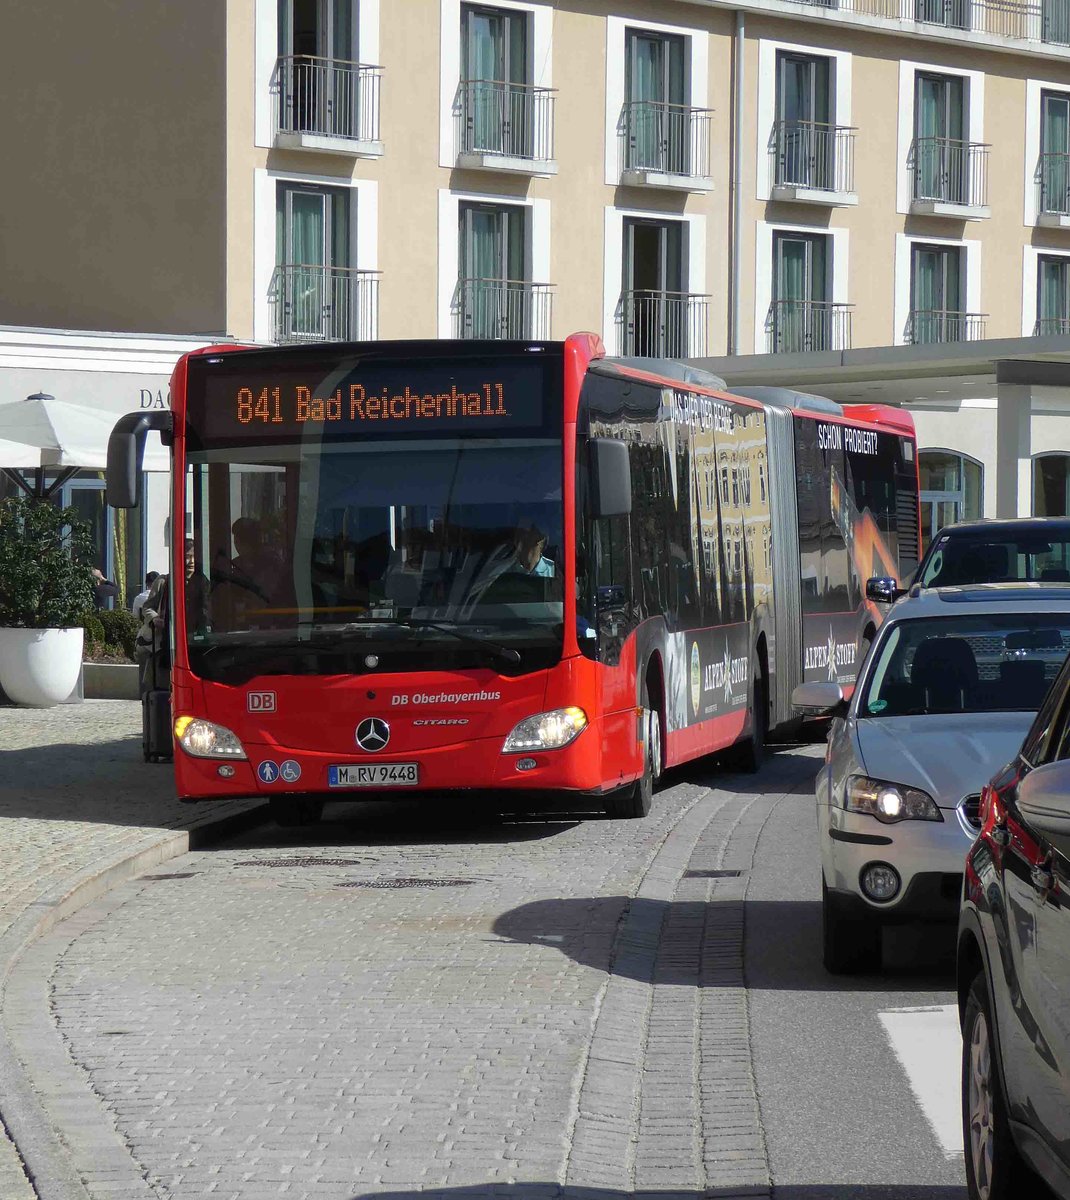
408, 999
78, 810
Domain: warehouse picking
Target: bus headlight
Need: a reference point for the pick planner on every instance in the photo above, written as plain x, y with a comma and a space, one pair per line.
202, 739
889, 802
546, 731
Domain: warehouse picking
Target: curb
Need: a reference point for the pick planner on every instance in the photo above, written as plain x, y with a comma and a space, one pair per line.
44, 1158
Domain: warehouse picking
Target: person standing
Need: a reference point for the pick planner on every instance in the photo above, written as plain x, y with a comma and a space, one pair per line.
139, 600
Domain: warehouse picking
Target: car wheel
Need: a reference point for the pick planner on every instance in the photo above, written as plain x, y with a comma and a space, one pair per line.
635, 800
291, 812
850, 944
995, 1170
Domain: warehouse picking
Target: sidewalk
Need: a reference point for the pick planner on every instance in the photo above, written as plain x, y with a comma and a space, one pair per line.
80, 811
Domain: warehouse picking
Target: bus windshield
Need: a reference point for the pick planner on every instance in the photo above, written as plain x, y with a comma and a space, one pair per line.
319, 550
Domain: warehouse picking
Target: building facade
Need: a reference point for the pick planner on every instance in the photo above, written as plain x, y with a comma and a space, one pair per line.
692, 179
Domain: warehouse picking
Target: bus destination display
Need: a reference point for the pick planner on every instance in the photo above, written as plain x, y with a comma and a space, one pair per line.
234, 402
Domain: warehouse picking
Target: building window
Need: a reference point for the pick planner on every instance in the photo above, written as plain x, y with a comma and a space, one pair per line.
955, 14
951, 490
1053, 174
495, 95
936, 286
1053, 295
315, 293
657, 316
656, 135
1051, 485
804, 135
941, 155
495, 297
801, 315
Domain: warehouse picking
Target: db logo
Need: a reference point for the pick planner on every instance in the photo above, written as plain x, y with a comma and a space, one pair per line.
260, 702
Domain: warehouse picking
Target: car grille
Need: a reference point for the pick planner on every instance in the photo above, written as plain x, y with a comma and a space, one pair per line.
970, 812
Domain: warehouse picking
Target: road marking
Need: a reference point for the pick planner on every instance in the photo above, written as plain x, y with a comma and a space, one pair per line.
928, 1044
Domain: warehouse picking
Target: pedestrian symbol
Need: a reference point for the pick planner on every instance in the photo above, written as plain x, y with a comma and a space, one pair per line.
290, 771
268, 772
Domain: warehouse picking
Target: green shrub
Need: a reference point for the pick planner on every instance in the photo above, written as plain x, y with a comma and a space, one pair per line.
46, 581
119, 629
94, 630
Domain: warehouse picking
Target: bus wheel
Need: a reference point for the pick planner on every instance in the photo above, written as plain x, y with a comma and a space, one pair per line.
750, 755
291, 812
635, 800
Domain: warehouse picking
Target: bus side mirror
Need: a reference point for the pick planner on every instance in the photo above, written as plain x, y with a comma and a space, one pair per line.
611, 478
885, 590
126, 451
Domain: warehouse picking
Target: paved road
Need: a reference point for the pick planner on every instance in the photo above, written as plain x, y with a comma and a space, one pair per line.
406, 1000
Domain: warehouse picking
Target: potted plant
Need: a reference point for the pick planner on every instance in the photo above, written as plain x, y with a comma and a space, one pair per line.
46, 588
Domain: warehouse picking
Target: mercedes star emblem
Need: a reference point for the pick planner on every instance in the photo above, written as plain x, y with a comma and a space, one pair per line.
373, 733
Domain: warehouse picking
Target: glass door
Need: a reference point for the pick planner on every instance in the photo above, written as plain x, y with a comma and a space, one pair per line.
315, 36
657, 137
312, 252
492, 272
655, 305
804, 152
940, 160
935, 282
494, 72
800, 281
1055, 152
1053, 295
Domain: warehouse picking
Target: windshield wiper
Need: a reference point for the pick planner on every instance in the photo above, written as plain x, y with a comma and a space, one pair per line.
506, 653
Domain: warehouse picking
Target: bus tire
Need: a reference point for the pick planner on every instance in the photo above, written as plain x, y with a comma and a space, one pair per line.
750, 754
635, 800
291, 812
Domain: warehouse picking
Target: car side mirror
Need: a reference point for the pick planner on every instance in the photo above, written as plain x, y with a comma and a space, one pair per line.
884, 589
1044, 803
818, 698
611, 478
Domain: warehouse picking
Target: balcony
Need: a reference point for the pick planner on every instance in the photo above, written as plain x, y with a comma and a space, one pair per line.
328, 105
1040, 21
665, 145
662, 324
813, 163
323, 304
949, 178
800, 326
926, 326
1052, 327
502, 309
504, 127
1053, 190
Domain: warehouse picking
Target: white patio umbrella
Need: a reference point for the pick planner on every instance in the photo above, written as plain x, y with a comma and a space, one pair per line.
42, 433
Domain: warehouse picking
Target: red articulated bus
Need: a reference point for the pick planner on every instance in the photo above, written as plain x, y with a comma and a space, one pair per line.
437, 567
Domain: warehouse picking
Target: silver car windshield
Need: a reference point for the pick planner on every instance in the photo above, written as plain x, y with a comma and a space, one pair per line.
976, 662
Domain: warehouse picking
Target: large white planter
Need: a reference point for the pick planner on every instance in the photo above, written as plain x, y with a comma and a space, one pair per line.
39, 667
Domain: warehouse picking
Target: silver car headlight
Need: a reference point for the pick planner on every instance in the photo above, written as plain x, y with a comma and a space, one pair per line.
546, 731
889, 802
204, 739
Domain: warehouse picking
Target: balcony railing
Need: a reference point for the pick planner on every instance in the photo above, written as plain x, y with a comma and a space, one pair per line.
327, 97
668, 139
949, 171
502, 308
797, 326
813, 155
928, 325
1052, 327
654, 324
324, 304
510, 120
1024, 20
1053, 184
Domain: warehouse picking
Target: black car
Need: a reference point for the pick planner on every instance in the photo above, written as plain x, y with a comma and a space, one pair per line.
1014, 969
1021, 550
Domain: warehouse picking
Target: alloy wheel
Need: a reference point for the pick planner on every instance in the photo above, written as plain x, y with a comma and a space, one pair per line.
980, 1106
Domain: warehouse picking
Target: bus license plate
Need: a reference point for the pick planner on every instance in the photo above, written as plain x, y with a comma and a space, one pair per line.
377, 775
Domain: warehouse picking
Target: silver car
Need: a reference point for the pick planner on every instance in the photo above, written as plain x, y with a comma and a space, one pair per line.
943, 700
